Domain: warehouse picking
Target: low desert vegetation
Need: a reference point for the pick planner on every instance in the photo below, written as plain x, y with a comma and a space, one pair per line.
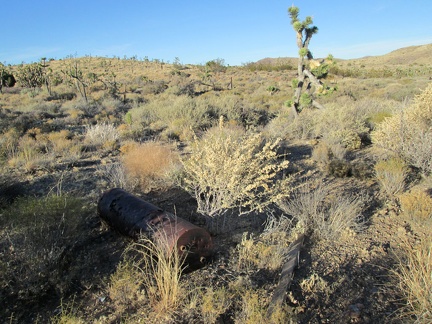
152, 164
231, 168
414, 280
391, 175
222, 147
407, 134
41, 232
326, 215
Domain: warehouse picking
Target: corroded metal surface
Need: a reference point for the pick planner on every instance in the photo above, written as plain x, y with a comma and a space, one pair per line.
133, 216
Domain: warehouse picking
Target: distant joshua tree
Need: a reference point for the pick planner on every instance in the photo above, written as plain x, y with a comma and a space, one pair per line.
309, 71
6, 78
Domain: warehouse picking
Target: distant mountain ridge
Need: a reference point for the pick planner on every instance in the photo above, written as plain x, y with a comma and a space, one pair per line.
421, 54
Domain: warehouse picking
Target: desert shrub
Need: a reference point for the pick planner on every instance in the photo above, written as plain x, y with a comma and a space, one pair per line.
115, 175
40, 231
101, 135
326, 216
152, 164
413, 278
182, 85
336, 124
321, 153
418, 150
113, 105
343, 122
376, 118
154, 87
68, 315
408, 132
332, 157
234, 169
214, 302
286, 126
29, 154
261, 253
254, 307
45, 107
172, 113
25, 121
9, 144
417, 206
391, 175
87, 108
59, 142
124, 286
339, 168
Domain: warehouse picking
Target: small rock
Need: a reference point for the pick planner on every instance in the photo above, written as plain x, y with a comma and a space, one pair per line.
355, 311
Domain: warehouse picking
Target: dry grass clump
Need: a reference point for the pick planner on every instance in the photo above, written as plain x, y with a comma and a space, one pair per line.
414, 280
115, 175
61, 144
326, 215
234, 169
417, 206
161, 269
102, 135
9, 143
391, 175
28, 154
262, 253
153, 164
408, 132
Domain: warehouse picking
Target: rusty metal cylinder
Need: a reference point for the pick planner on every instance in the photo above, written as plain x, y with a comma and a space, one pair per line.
133, 216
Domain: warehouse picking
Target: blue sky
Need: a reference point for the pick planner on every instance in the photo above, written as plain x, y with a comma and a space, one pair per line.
199, 31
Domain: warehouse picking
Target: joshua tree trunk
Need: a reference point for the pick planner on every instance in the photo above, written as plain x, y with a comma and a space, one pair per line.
305, 77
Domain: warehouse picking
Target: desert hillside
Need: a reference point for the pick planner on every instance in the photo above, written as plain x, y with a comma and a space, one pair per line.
222, 148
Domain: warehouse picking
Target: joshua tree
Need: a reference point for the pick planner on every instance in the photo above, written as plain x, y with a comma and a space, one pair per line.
305, 77
6, 78
31, 75
76, 76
